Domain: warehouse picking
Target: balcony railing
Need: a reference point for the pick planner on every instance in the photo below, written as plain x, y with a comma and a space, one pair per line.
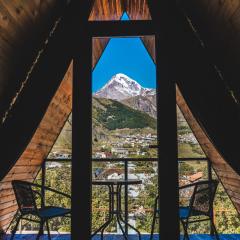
124, 167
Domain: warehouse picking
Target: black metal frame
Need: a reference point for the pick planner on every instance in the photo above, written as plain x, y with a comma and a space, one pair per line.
20, 215
208, 217
162, 26
81, 171
185, 222
126, 161
117, 212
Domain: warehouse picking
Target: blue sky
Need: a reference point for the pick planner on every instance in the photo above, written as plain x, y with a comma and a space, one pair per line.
128, 56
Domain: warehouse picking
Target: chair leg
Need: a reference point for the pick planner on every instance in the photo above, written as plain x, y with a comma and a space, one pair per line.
15, 228
153, 224
214, 230
154, 218
185, 226
40, 232
49, 236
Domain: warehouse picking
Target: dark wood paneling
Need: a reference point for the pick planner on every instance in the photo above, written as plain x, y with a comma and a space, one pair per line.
37, 150
228, 177
149, 43
24, 26
218, 25
137, 9
99, 45
104, 10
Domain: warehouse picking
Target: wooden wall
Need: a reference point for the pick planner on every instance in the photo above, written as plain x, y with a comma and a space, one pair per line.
28, 165
149, 43
218, 25
137, 9
104, 10
228, 177
99, 45
24, 26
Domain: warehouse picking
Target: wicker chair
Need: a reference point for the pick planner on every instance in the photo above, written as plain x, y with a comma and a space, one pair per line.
26, 197
201, 200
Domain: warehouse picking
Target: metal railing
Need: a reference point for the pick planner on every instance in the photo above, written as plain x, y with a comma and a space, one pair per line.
126, 170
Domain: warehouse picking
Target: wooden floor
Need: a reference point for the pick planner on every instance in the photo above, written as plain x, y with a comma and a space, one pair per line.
118, 237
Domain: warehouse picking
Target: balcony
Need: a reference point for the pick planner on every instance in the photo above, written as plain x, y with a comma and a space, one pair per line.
137, 206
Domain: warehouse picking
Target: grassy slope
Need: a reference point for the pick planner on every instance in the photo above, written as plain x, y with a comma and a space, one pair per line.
115, 115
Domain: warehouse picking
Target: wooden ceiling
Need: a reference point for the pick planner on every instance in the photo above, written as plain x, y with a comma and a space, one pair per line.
218, 24
28, 165
23, 21
228, 177
24, 27
105, 10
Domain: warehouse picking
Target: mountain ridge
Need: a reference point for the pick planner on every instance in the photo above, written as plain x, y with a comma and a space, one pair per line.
129, 92
121, 87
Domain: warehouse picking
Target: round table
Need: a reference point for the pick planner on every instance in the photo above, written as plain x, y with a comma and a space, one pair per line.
115, 188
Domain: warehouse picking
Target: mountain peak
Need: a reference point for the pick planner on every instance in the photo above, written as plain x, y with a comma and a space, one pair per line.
120, 87
124, 81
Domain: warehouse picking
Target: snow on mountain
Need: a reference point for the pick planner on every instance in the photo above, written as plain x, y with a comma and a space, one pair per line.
121, 87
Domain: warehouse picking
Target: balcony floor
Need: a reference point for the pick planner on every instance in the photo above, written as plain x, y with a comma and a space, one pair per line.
119, 237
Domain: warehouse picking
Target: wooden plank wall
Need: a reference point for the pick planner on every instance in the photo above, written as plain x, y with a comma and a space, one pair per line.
228, 177
28, 165
149, 43
113, 10
104, 10
218, 24
137, 9
24, 26
99, 45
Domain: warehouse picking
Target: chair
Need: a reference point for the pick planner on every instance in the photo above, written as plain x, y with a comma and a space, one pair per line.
26, 197
200, 204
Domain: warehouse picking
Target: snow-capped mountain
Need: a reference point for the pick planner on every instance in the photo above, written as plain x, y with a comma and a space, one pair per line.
121, 87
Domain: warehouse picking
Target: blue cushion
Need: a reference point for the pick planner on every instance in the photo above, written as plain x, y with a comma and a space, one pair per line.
184, 212
49, 212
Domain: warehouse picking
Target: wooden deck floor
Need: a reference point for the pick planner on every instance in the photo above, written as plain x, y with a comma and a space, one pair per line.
118, 237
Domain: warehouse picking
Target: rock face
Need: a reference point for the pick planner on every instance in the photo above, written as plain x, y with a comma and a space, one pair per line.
128, 91
121, 87
145, 104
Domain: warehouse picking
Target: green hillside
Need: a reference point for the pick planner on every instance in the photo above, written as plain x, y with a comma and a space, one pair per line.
115, 115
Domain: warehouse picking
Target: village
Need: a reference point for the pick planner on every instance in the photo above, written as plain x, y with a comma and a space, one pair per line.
124, 145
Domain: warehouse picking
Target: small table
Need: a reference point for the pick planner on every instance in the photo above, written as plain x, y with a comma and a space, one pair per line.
111, 183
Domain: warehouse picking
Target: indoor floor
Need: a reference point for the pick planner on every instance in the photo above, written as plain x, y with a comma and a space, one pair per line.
118, 237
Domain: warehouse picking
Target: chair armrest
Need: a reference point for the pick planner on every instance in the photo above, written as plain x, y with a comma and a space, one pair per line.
58, 192
51, 190
39, 194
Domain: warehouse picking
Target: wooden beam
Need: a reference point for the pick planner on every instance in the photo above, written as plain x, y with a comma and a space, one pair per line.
82, 124
164, 21
19, 127
121, 28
